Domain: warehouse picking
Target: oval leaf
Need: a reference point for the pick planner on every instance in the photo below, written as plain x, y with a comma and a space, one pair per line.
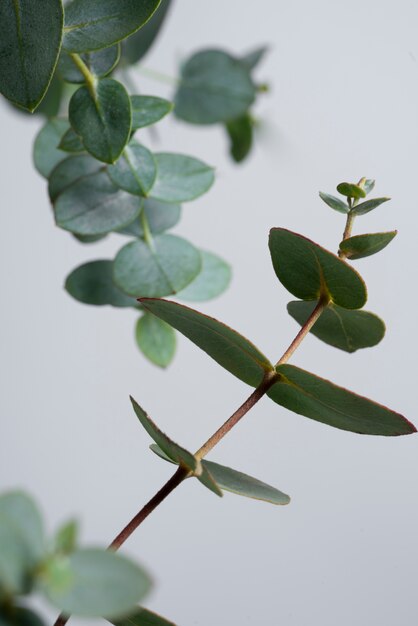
240, 133
180, 178
46, 154
351, 191
93, 205
212, 280
361, 246
214, 87
143, 617
92, 283
147, 110
309, 271
317, 398
135, 170
156, 340
175, 452
97, 583
70, 171
164, 268
341, 328
227, 347
30, 41
22, 512
102, 119
160, 216
334, 203
99, 63
369, 205
96, 24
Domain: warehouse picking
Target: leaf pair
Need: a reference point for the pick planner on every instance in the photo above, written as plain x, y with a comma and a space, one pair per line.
212, 475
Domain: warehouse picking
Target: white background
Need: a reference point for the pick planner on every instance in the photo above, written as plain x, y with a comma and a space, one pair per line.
343, 104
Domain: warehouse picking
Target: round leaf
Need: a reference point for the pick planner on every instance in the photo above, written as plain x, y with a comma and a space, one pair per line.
21, 510
102, 119
351, 191
147, 110
361, 246
309, 271
46, 154
30, 41
92, 283
93, 205
341, 328
155, 339
212, 280
214, 87
160, 216
69, 171
180, 178
100, 63
135, 170
96, 24
165, 268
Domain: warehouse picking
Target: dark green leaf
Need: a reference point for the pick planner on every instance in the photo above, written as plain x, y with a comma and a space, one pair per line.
95, 583
138, 44
93, 205
89, 238
155, 339
92, 283
341, 328
160, 216
309, 271
244, 485
369, 205
99, 63
214, 87
253, 58
102, 119
69, 172
172, 450
212, 280
334, 203
135, 171
351, 191
361, 246
20, 509
240, 133
51, 103
164, 268
71, 142
147, 110
66, 538
46, 154
19, 616
96, 24
180, 178
143, 617
30, 41
317, 398
227, 347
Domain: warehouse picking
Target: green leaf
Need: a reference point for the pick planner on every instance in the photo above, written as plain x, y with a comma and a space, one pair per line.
244, 485
93, 205
19, 616
159, 215
30, 41
351, 191
214, 87
334, 203
227, 347
180, 178
99, 63
137, 45
253, 58
92, 283
71, 142
213, 279
172, 450
317, 398
155, 339
341, 328
87, 239
240, 133
361, 246
96, 24
66, 538
164, 268
369, 205
21, 510
143, 617
368, 185
135, 171
102, 119
70, 171
309, 271
15, 559
95, 583
46, 154
147, 110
